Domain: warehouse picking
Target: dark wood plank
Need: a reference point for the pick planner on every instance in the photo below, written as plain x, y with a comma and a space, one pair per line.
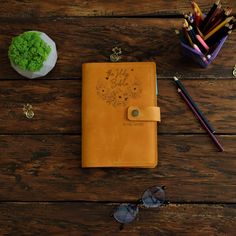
91, 40
39, 168
63, 8
57, 106
94, 219
216, 99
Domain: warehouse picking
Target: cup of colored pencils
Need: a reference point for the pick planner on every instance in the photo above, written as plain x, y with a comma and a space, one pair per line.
203, 35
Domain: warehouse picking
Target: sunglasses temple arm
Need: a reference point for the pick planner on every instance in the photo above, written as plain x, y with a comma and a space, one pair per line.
121, 227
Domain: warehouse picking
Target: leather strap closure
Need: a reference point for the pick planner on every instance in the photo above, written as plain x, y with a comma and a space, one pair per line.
144, 114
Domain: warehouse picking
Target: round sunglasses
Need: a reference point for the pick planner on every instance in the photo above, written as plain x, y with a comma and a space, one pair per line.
153, 197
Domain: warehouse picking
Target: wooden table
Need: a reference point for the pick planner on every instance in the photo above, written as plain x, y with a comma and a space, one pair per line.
44, 190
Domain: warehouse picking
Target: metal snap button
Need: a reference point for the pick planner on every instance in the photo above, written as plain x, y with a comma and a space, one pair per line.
135, 113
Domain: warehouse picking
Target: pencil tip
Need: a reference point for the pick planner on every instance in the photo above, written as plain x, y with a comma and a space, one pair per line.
209, 56
175, 78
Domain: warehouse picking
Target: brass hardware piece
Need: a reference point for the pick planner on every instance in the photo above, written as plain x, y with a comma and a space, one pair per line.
135, 113
234, 71
27, 109
116, 55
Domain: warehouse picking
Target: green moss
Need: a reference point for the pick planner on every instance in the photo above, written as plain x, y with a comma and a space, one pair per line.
28, 51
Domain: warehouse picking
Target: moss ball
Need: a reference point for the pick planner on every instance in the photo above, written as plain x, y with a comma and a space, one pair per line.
28, 51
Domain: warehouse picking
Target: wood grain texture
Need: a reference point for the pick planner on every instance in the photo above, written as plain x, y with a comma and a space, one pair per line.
39, 168
91, 40
53, 8
40, 159
94, 219
57, 106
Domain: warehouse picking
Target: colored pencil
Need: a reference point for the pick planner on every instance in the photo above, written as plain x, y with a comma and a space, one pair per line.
219, 35
233, 23
194, 4
208, 56
197, 49
213, 137
200, 39
187, 37
182, 38
180, 86
197, 17
199, 32
185, 24
227, 20
193, 36
210, 13
205, 34
220, 19
191, 22
207, 25
202, 47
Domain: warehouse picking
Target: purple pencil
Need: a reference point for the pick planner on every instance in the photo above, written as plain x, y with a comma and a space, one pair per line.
213, 137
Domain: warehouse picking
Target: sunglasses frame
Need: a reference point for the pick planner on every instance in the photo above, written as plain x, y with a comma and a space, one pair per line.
139, 203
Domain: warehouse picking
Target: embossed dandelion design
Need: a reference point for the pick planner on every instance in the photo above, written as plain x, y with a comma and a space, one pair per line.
118, 87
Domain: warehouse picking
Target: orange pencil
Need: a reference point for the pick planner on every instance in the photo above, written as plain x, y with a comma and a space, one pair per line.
197, 17
194, 4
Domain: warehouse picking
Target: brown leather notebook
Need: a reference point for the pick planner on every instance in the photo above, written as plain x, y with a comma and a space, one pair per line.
119, 115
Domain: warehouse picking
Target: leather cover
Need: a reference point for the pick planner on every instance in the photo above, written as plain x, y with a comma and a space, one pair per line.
119, 115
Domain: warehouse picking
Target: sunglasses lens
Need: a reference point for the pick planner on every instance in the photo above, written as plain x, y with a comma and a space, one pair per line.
126, 213
153, 197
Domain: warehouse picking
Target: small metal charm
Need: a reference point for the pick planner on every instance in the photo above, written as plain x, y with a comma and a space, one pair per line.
27, 109
234, 71
116, 55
